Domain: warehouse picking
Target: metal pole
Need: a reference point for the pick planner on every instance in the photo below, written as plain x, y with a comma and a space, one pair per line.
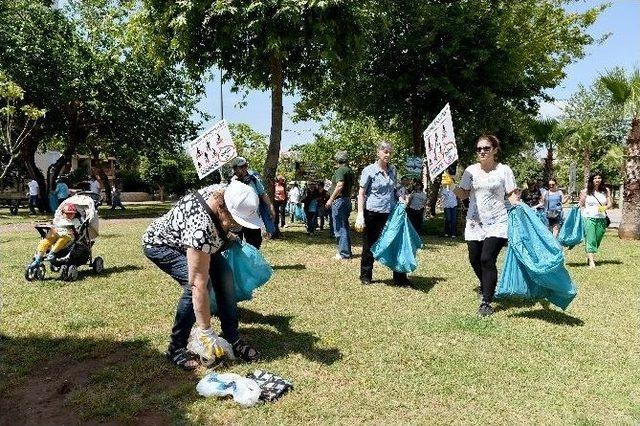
221, 101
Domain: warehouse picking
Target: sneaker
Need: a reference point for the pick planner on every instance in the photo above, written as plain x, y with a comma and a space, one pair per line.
485, 310
365, 280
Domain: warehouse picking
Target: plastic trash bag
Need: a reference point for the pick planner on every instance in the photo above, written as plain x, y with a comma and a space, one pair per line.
244, 391
572, 232
272, 387
542, 215
265, 215
250, 271
534, 266
299, 214
398, 243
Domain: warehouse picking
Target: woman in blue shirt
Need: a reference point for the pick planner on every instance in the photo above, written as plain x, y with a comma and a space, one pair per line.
376, 199
552, 201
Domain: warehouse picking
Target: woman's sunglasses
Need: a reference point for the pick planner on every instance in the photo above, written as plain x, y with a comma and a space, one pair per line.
483, 149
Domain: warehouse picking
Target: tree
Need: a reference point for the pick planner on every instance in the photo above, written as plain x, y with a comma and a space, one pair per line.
249, 143
491, 60
625, 92
266, 45
543, 130
17, 122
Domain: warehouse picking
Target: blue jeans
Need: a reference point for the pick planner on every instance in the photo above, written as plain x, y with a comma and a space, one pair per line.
174, 263
33, 203
450, 220
340, 211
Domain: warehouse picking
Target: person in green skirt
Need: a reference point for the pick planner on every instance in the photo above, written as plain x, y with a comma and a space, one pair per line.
594, 201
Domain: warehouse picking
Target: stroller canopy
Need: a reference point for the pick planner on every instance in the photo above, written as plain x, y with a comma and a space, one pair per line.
88, 213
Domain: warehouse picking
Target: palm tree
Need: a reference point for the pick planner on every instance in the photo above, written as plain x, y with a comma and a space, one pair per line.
625, 92
543, 130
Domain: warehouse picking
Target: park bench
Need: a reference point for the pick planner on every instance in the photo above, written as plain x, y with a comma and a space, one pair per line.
14, 201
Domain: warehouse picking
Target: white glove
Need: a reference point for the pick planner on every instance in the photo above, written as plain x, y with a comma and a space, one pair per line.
360, 222
205, 344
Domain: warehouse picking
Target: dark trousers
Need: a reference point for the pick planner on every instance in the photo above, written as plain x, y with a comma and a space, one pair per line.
279, 206
483, 256
450, 219
312, 221
373, 225
415, 217
115, 202
174, 263
252, 236
33, 203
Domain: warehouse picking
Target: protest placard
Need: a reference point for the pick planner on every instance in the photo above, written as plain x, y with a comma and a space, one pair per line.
212, 149
440, 143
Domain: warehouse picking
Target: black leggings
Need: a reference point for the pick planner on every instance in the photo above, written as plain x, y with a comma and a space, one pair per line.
483, 256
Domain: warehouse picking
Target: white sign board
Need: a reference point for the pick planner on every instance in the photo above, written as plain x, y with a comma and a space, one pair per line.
212, 149
413, 166
440, 143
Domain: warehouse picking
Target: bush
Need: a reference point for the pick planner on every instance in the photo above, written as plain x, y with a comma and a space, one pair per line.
131, 181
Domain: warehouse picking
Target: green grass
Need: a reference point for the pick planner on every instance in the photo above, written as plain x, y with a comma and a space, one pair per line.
376, 354
133, 210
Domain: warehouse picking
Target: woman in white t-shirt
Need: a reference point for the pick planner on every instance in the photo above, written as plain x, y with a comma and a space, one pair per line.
594, 201
487, 183
416, 204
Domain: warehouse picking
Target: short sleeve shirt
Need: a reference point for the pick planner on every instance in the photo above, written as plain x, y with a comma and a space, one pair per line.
344, 174
33, 187
593, 204
487, 214
186, 225
380, 188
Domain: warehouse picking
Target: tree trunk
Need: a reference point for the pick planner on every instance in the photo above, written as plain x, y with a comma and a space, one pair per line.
161, 190
106, 185
77, 137
416, 133
27, 154
586, 159
630, 225
273, 152
434, 190
548, 163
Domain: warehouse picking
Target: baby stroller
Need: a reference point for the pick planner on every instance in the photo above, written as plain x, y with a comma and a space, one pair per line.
77, 253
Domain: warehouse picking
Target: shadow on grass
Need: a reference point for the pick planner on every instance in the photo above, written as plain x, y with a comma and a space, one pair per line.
297, 266
550, 315
598, 262
74, 380
274, 345
424, 284
109, 270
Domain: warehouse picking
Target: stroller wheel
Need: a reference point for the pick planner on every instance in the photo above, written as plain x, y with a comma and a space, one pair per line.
63, 272
41, 272
30, 273
54, 268
72, 273
98, 265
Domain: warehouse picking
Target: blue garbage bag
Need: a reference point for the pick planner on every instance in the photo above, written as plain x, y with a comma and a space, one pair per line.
299, 213
398, 243
534, 266
53, 202
572, 232
265, 215
250, 271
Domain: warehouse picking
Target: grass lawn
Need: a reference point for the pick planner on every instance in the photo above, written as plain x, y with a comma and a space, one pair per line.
133, 210
92, 349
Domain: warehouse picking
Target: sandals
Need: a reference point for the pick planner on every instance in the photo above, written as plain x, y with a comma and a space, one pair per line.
182, 358
243, 350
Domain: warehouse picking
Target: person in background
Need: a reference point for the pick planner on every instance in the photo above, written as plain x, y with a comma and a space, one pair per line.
450, 207
417, 201
340, 204
310, 202
61, 190
116, 196
323, 196
94, 185
594, 201
531, 195
294, 200
377, 197
280, 202
242, 173
34, 190
405, 188
486, 184
552, 202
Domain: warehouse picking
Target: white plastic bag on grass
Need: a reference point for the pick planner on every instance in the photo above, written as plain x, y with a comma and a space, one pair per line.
245, 392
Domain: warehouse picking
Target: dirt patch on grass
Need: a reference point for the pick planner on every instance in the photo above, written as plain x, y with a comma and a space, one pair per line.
43, 396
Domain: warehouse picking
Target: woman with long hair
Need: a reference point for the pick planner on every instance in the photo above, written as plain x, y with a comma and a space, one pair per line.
486, 184
594, 201
552, 201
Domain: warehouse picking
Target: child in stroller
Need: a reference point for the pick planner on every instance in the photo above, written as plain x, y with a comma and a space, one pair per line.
68, 240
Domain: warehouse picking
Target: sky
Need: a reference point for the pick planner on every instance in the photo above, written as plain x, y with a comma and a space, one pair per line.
622, 48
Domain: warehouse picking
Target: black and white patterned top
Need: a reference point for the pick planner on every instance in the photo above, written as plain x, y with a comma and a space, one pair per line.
186, 225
